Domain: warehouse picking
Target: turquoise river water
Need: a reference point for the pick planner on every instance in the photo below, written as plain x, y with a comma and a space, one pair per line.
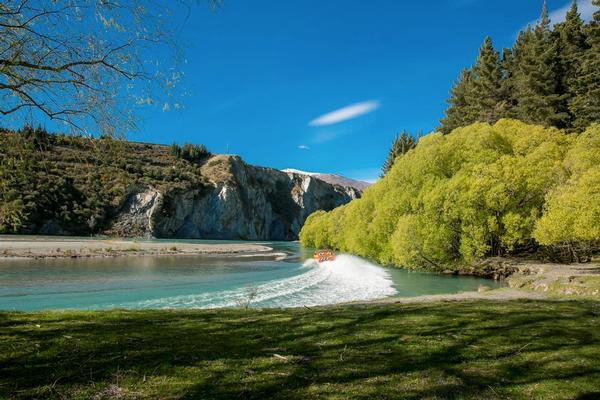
209, 282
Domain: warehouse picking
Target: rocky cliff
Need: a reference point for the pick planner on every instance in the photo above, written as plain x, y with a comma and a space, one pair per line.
237, 201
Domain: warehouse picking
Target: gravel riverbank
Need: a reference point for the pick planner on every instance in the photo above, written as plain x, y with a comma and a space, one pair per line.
13, 247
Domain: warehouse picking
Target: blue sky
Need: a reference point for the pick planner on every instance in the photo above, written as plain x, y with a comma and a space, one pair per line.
324, 85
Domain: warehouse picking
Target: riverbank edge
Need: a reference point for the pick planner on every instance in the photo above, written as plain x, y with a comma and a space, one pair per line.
524, 276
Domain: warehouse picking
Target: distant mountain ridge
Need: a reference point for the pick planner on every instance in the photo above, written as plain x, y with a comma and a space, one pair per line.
332, 179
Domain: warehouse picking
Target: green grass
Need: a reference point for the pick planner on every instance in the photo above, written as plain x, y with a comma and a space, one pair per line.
463, 350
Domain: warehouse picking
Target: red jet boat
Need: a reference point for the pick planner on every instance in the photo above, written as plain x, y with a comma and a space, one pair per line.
324, 255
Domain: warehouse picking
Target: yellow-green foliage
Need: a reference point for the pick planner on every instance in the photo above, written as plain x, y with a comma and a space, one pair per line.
573, 208
476, 192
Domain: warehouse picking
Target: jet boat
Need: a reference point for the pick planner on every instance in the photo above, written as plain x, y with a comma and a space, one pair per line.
324, 255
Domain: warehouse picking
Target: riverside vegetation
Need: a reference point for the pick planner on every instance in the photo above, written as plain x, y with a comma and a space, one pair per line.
549, 77
487, 184
480, 191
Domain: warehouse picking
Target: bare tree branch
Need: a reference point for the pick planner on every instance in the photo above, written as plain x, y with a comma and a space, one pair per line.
86, 63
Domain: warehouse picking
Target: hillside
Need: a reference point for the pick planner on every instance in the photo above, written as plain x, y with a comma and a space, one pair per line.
56, 184
480, 191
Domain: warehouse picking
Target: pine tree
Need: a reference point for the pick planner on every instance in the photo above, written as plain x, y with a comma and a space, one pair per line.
485, 96
459, 112
572, 47
401, 144
17, 177
585, 104
542, 30
537, 80
572, 38
549, 77
510, 61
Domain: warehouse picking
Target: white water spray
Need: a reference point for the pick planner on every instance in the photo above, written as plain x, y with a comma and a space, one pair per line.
348, 278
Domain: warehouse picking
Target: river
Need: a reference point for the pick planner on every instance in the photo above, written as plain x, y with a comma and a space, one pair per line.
210, 282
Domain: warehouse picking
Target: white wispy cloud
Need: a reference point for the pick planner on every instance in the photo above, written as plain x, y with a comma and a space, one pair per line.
346, 113
585, 7
303, 147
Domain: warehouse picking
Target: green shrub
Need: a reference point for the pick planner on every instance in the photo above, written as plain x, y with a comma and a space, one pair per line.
190, 152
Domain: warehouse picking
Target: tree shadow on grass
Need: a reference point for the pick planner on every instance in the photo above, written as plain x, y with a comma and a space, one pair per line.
443, 350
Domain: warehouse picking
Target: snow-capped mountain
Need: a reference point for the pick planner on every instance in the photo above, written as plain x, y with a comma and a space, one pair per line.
332, 179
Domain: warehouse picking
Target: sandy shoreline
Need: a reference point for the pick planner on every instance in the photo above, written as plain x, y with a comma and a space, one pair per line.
14, 247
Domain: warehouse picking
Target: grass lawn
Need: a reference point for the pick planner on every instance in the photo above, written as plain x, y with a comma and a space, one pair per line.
478, 350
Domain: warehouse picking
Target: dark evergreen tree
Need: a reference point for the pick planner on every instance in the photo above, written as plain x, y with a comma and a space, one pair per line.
459, 112
194, 153
585, 104
573, 45
17, 188
401, 144
510, 60
572, 48
537, 80
485, 96
551, 76
189, 152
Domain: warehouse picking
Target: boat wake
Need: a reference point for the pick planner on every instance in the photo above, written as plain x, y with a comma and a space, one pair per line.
348, 278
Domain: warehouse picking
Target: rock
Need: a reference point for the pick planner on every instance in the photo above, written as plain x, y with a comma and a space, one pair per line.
240, 201
135, 215
483, 288
490, 268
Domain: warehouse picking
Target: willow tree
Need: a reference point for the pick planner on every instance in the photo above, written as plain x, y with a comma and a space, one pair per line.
476, 192
86, 63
